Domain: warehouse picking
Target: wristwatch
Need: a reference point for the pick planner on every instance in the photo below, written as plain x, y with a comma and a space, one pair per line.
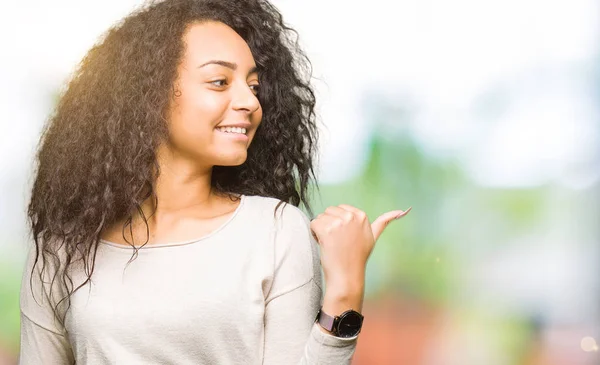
347, 324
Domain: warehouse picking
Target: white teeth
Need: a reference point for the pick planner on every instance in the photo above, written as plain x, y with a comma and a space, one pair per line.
232, 130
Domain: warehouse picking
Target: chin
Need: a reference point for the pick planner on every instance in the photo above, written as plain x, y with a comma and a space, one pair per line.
232, 160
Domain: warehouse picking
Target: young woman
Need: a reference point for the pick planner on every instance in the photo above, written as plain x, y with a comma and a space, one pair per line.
164, 209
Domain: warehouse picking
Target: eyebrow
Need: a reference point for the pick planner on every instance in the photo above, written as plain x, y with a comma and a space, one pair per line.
230, 65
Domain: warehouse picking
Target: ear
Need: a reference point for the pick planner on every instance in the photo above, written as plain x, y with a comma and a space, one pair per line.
176, 90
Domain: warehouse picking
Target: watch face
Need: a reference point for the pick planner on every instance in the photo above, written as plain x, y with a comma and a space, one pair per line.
349, 324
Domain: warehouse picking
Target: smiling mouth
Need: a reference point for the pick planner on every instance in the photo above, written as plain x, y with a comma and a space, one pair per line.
236, 130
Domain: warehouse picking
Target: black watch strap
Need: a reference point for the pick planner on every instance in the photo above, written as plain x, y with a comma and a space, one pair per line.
325, 320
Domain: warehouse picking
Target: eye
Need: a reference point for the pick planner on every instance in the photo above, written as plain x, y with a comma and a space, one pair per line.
255, 89
220, 83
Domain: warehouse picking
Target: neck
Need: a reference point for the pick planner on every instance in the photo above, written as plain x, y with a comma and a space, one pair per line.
183, 185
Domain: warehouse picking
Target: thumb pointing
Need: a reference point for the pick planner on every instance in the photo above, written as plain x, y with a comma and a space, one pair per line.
383, 220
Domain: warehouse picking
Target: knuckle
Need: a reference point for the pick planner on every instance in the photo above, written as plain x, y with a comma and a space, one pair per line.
338, 222
361, 215
348, 217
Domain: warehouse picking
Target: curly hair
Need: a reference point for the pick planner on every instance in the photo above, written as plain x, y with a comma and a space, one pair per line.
97, 162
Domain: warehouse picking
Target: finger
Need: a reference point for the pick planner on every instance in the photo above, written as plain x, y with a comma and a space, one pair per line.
340, 213
349, 208
314, 235
313, 228
318, 225
383, 220
357, 212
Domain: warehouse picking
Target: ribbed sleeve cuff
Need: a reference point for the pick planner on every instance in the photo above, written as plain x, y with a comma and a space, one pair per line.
330, 340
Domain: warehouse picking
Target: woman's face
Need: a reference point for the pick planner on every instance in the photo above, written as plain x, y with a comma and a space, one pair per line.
215, 112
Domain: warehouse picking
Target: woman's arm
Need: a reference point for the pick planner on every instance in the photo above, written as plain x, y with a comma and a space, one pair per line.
294, 298
292, 336
346, 239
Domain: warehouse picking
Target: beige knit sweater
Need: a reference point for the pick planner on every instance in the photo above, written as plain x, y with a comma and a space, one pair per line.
247, 293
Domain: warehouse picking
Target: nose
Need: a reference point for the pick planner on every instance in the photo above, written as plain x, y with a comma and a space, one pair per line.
243, 98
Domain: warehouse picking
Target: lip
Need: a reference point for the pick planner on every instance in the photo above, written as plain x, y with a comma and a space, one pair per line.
234, 136
246, 125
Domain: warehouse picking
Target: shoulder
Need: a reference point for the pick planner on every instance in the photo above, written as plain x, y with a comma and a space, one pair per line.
295, 252
282, 215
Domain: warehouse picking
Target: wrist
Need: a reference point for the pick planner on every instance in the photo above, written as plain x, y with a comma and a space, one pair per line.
337, 301
347, 285
345, 325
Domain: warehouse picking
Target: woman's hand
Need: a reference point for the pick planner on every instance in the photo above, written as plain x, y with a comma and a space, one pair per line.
347, 239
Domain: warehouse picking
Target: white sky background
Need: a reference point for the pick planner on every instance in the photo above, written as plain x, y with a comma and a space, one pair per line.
444, 56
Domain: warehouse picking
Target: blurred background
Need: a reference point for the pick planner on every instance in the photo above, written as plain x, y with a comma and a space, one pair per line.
481, 115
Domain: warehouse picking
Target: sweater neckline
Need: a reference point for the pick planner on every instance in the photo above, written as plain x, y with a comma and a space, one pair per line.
181, 243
